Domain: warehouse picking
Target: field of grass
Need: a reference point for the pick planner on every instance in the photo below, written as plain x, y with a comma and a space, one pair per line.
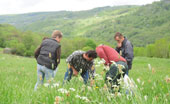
18, 76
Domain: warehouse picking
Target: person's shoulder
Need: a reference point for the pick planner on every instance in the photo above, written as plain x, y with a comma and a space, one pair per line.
46, 40
128, 42
78, 52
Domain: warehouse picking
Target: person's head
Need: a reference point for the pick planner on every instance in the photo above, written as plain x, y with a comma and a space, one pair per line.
119, 37
90, 55
57, 35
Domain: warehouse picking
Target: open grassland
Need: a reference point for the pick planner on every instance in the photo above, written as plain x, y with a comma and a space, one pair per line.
18, 76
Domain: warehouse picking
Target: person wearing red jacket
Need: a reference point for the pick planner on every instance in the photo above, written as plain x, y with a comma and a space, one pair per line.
117, 64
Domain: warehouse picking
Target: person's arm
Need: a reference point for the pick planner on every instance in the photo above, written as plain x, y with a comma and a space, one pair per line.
118, 48
129, 52
75, 72
58, 53
37, 52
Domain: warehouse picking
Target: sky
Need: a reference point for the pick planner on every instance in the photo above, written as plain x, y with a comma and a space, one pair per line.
27, 6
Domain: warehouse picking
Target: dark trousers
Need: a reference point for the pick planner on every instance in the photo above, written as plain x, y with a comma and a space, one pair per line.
114, 74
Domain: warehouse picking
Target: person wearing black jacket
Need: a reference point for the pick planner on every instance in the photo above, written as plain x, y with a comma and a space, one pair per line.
48, 57
125, 49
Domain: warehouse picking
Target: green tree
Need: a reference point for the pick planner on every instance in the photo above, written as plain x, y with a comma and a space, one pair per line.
162, 48
87, 48
90, 43
151, 50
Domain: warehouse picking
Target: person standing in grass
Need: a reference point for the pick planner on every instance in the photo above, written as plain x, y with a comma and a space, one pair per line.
80, 61
125, 49
48, 57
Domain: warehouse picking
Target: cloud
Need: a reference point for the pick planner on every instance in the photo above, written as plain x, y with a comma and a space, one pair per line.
29, 3
24, 6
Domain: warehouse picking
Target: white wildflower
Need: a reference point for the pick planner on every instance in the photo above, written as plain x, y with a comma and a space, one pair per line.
80, 71
89, 88
138, 80
84, 98
112, 95
107, 68
97, 65
77, 96
121, 66
109, 98
46, 84
119, 80
141, 88
129, 84
114, 63
143, 83
72, 89
80, 79
98, 77
52, 79
62, 90
114, 86
102, 61
96, 61
56, 84
149, 66
109, 78
145, 97
119, 94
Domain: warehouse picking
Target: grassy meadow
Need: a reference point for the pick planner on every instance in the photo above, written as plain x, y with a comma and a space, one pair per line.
18, 76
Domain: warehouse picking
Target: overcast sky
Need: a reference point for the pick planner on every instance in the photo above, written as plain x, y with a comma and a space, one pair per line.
25, 6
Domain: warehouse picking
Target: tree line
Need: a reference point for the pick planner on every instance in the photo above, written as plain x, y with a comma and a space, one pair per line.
25, 43
160, 49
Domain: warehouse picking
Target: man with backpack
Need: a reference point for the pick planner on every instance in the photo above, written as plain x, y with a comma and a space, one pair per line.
48, 57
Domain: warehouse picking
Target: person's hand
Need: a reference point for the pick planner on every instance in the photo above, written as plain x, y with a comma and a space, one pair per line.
119, 45
75, 73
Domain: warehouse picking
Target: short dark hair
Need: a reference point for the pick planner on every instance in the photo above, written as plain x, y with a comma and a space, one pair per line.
91, 54
118, 34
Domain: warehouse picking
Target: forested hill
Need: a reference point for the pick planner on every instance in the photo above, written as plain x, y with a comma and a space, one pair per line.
141, 24
71, 23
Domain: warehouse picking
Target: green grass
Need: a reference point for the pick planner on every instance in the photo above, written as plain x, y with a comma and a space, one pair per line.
18, 76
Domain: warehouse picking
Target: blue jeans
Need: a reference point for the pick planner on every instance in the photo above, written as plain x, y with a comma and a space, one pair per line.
69, 74
43, 72
127, 72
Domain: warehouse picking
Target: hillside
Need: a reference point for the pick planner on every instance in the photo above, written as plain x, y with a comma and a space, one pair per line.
70, 23
63, 20
141, 24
